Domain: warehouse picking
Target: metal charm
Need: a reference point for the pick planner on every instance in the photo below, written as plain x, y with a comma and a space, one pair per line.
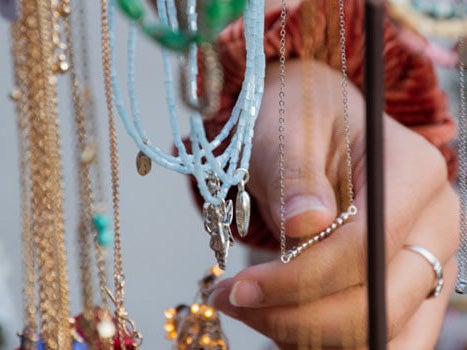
243, 205
197, 327
217, 220
143, 164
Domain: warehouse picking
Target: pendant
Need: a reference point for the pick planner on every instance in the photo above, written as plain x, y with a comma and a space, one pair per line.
105, 332
197, 327
242, 205
217, 220
143, 164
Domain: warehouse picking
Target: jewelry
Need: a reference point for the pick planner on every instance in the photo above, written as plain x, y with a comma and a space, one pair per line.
127, 337
288, 254
434, 262
94, 323
462, 139
197, 327
202, 163
41, 180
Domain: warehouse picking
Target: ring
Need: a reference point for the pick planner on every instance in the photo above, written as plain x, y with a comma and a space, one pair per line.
437, 268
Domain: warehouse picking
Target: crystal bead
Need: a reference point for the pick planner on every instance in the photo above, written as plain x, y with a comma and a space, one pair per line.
132, 8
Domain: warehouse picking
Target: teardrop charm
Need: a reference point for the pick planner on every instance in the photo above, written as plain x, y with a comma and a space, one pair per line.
143, 164
242, 212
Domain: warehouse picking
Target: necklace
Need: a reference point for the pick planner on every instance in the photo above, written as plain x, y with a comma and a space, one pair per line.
215, 175
462, 252
34, 37
127, 338
288, 254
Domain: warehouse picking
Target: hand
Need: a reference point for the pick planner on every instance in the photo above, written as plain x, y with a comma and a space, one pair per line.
319, 299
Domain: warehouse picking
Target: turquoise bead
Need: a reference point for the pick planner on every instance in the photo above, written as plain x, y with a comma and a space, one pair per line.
132, 8
105, 237
101, 222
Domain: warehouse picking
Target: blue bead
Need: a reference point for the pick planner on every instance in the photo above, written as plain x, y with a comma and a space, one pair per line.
105, 237
79, 346
101, 222
39, 345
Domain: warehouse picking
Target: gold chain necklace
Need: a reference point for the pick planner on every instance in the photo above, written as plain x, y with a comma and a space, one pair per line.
41, 182
118, 297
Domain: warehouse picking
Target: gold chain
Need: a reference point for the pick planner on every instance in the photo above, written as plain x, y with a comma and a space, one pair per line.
41, 177
19, 43
118, 297
86, 197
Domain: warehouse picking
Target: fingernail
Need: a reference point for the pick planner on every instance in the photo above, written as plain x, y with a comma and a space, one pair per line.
219, 300
300, 204
246, 294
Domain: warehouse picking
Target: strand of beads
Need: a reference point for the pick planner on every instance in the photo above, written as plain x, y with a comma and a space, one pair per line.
230, 167
241, 120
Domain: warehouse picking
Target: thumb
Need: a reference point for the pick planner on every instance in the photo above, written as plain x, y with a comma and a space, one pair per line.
309, 197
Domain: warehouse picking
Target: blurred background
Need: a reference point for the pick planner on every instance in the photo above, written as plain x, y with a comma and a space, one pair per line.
165, 247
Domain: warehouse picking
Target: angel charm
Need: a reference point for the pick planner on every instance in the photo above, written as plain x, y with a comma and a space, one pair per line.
217, 220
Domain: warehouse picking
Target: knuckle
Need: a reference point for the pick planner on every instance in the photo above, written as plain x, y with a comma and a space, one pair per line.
436, 165
453, 232
277, 327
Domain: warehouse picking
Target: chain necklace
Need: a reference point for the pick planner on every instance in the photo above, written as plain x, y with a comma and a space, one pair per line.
95, 323
41, 178
288, 254
462, 125
215, 173
118, 297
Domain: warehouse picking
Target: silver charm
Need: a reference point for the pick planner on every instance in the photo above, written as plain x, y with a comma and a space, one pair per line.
217, 220
242, 205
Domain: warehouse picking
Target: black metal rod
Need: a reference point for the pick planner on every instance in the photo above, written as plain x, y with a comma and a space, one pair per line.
374, 88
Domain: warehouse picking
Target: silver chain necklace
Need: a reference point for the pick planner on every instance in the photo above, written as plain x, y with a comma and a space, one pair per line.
462, 119
288, 254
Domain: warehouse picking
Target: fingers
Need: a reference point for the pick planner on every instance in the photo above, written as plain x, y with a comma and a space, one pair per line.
340, 261
279, 289
309, 154
340, 320
427, 320
422, 330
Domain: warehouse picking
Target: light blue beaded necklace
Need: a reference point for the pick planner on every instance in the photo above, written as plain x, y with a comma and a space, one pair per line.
215, 175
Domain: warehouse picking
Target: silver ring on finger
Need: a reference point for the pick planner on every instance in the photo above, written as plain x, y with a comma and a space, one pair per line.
435, 264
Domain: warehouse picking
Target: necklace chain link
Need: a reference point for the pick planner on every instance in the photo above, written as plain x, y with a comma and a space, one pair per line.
462, 145
288, 255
